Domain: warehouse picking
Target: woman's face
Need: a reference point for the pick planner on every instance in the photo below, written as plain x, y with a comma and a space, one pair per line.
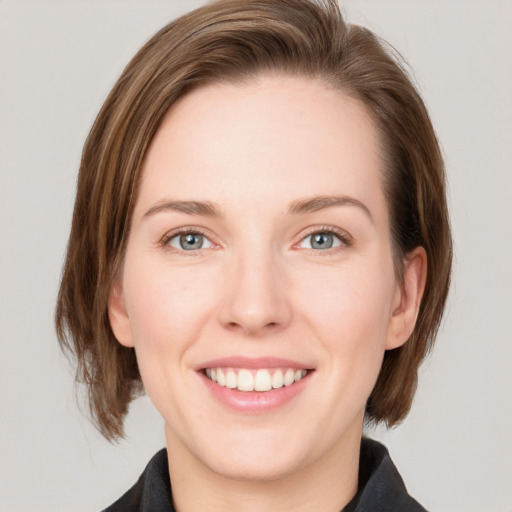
259, 256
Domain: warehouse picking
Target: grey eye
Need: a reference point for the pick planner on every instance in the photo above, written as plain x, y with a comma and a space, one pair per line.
190, 242
320, 241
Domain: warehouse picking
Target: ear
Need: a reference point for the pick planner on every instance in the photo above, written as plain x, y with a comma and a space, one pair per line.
407, 299
118, 316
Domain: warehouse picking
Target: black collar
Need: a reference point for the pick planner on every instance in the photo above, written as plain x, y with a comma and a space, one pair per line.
381, 488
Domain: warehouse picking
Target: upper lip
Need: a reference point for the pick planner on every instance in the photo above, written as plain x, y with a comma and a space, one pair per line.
253, 363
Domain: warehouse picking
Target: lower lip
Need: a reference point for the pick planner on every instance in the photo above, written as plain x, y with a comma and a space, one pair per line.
255, 402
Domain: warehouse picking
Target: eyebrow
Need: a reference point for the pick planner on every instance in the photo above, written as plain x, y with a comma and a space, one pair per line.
307, 205
316, 203
205, 208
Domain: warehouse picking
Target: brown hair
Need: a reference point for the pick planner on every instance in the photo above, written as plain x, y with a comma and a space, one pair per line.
234, 40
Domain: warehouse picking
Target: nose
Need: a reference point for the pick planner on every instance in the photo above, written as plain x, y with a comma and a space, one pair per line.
255, 300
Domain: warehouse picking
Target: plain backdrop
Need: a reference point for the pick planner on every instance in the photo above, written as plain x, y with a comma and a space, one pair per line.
59, 59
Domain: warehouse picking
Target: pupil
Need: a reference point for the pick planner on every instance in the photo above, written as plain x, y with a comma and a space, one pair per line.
191, 241
322, 241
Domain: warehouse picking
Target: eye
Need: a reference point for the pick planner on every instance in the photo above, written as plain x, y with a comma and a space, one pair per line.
190, 241
322, 240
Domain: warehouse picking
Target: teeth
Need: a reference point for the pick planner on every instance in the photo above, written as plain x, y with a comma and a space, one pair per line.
231, 380
245, 381
277, 380
262, 381
254, 380
289, 377
221, 380
299, 374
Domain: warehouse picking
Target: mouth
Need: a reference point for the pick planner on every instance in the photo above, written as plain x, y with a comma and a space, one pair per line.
255, 379
255, 385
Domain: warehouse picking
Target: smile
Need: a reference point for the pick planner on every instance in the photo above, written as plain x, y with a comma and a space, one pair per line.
243, 379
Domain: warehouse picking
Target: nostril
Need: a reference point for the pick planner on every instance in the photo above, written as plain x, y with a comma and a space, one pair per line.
253, 328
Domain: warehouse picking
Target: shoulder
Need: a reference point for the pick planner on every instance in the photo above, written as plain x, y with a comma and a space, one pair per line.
381, 487
152, 492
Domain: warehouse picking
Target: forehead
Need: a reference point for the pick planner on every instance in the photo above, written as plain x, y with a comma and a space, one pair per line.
275, 139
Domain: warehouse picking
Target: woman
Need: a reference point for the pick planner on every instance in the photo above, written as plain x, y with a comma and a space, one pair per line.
261, 243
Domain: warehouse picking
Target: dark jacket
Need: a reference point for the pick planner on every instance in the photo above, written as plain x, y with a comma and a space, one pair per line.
381, 488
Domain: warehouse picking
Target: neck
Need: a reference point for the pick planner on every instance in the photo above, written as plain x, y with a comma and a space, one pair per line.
327, 484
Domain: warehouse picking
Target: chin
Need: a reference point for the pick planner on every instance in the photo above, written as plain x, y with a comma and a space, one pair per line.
262, 468
253, 456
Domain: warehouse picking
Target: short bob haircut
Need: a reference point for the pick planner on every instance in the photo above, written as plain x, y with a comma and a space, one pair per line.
236, 41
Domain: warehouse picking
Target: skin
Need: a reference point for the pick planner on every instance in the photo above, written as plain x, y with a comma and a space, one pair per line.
257, 288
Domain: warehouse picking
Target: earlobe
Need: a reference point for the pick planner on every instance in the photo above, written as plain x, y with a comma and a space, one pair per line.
408, 300
118, 316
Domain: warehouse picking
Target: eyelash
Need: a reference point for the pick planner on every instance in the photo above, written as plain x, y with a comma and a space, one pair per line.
345, 239
183, 231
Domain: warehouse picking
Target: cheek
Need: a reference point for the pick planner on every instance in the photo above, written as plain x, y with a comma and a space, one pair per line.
166, 307
349, 313
167, 313
352, 321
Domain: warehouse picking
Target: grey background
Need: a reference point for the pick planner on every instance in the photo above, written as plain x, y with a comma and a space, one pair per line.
58, 60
